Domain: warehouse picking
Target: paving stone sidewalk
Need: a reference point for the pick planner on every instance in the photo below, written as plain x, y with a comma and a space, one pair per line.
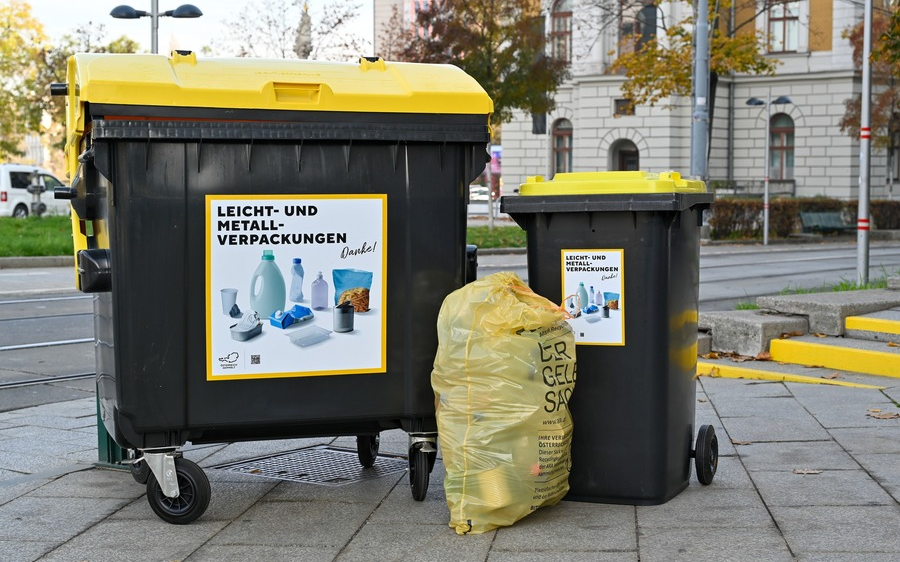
806, 472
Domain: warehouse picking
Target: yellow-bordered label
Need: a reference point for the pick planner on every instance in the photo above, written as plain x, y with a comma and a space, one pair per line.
342, 236
593, 283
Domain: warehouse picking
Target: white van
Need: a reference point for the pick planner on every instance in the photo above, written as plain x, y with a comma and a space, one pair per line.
16, 200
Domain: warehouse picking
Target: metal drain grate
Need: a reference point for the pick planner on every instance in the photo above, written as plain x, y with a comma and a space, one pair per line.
324, 465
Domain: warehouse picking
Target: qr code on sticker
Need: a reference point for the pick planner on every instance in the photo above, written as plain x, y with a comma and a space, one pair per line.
254, 359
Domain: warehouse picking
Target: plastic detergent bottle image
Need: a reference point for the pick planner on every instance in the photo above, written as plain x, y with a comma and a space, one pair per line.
319, 288
267, 291
297, 280
582, 296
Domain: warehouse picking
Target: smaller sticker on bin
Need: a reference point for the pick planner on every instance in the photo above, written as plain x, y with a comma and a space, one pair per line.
593, 293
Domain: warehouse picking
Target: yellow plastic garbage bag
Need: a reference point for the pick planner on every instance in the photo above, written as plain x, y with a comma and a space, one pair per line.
503, 376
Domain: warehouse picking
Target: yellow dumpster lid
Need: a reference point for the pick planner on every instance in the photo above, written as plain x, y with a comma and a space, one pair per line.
185, 80
600, 183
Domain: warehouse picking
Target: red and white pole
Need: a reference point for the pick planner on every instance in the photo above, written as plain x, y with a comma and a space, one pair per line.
865, 138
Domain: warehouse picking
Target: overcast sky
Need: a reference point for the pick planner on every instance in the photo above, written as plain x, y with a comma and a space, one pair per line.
63, 16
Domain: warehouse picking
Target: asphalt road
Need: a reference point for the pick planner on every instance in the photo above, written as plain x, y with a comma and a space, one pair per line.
732, 274
46, 326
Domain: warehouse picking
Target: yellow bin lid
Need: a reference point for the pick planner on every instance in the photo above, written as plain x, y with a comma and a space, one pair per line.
602, 183
186, 80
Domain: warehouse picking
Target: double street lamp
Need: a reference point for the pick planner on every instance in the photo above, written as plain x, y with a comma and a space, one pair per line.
129, 13
768, 103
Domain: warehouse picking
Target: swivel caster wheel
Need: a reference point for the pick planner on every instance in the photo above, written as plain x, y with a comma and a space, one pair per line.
140, 471
193, 497
420, 465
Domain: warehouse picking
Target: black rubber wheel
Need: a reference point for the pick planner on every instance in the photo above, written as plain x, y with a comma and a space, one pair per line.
193, 498
140, 471
706, 455
367, 449
419, 473
20, 212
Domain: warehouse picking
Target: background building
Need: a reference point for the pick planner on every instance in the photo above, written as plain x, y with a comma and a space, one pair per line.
384, 11
592, 128
809, 155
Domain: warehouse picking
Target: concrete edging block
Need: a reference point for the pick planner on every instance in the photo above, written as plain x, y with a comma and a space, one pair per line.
827, 311
748, 332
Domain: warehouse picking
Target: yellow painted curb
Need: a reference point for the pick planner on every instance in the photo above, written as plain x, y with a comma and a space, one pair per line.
872, 325
732, 372
834, 357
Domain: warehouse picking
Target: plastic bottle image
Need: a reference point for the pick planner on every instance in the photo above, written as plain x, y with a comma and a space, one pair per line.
267, 291
591, 296
319, 288
582, 296
297, 281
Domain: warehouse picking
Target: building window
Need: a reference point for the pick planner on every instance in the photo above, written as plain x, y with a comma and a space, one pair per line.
894, 160
781, 147
784, 27
622, 107
562, 146
637, 24
646, 21
561, 34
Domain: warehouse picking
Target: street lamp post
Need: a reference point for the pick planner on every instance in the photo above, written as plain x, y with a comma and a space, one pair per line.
129, 13
768, 103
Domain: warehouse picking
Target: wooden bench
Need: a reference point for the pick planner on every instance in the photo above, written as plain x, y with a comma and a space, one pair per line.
824, 222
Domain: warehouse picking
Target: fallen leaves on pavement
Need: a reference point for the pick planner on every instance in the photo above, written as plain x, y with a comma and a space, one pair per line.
806, 471
879, 415
831, 376
737, 357
893, 344
786, 335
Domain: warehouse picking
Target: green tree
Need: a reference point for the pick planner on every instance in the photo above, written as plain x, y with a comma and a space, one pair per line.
21, 40
660, 67
500, 43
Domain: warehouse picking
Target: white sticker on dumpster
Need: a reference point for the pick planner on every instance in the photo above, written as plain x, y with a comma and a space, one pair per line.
259, 325
593, 293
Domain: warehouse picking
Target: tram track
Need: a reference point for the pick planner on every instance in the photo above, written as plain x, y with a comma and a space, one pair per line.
46, 380
710, 261
45, 344
45, 322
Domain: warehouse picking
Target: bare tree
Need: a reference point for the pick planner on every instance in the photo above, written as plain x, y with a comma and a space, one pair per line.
270, 29
333, 36
393, 36
595, 18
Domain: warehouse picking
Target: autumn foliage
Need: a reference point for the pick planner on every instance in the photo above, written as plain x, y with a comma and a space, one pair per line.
885, 68
661, 67
501, 44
